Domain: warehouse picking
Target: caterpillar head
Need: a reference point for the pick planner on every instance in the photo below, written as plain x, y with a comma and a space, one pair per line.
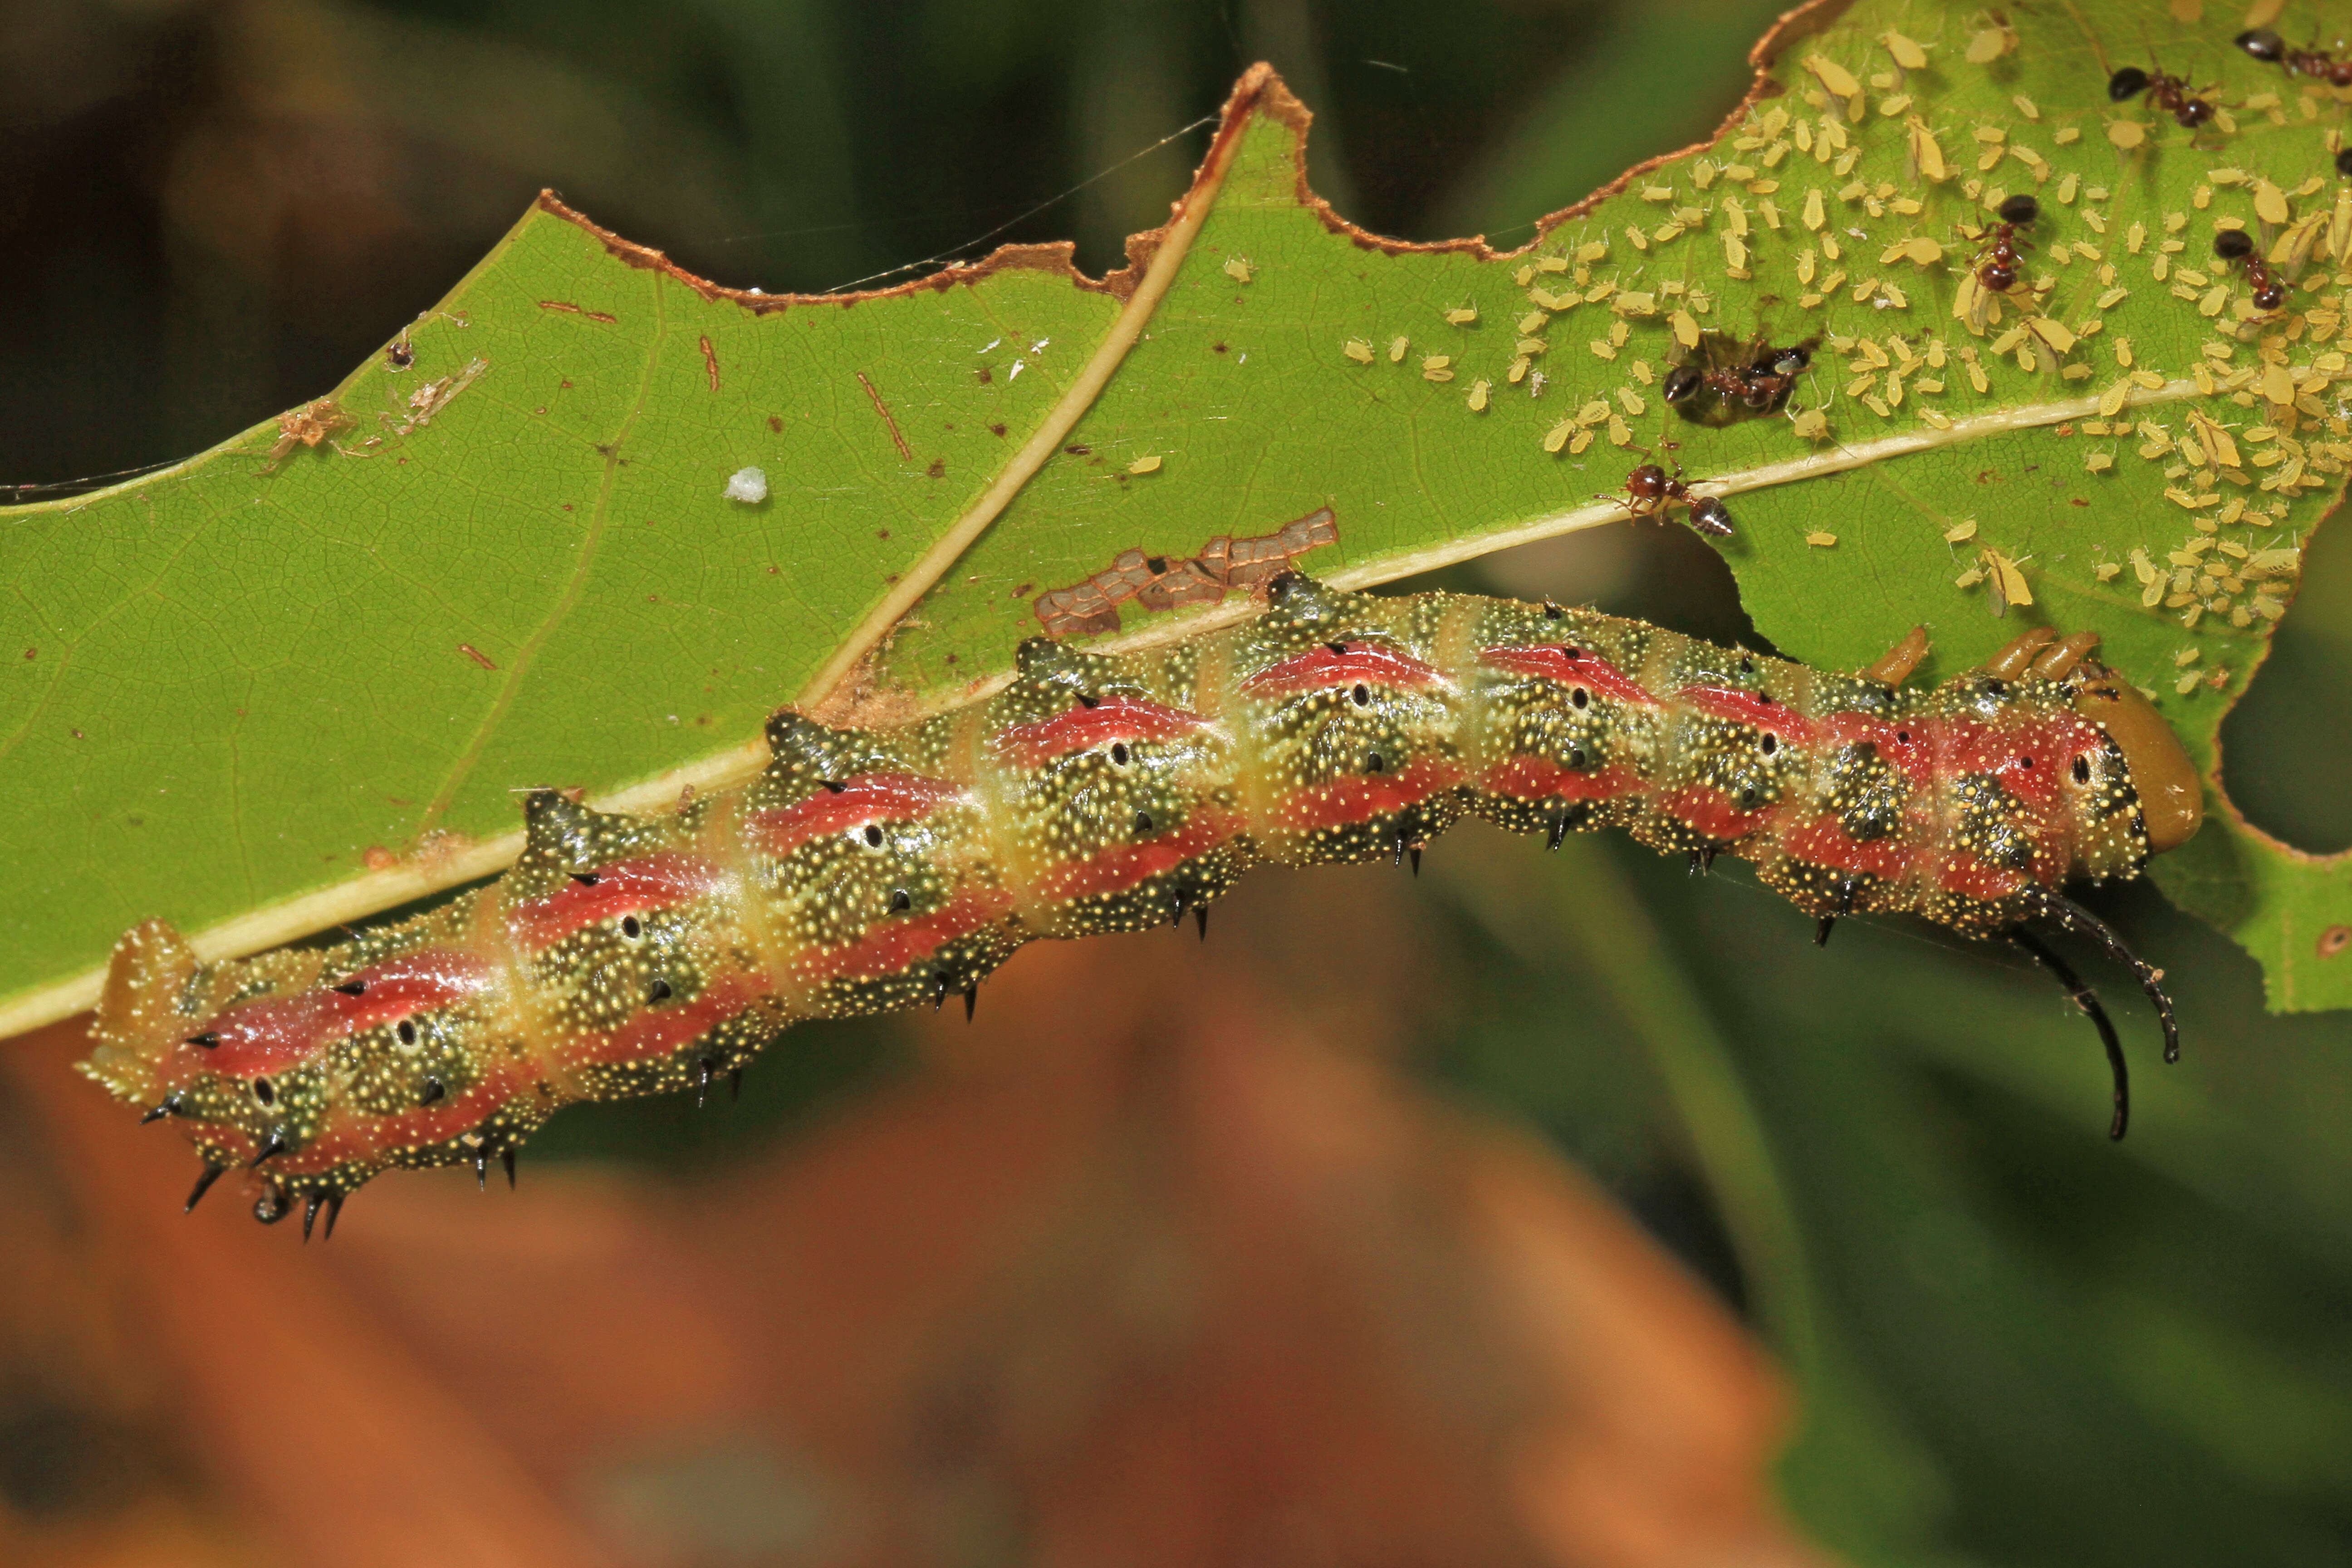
2172, 797
2163, 791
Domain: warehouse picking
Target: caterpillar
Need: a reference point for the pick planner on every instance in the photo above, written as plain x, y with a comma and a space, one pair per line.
865, 870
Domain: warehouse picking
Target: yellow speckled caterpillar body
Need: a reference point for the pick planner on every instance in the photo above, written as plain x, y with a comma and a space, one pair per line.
870, 869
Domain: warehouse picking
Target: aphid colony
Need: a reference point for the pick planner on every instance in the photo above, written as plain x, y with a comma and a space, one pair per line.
871, 870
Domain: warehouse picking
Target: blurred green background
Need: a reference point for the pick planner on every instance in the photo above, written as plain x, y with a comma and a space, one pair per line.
2014, 1342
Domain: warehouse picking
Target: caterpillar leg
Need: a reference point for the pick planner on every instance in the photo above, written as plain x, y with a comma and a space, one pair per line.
2013, 661
1895, 666
2088, 1001
2042, 904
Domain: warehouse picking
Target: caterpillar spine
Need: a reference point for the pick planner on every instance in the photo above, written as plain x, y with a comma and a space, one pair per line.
866, 870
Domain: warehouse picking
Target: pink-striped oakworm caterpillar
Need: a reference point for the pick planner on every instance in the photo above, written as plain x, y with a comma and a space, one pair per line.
870, 869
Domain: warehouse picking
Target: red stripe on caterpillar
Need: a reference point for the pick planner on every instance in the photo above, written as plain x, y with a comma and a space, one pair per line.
871, 869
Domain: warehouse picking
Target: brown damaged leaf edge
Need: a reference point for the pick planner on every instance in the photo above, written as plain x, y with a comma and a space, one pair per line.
1279, 105
1051, 257
436, 867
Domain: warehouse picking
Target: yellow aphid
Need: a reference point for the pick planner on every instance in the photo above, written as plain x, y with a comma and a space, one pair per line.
1989, 45
1478, 390
1144, 466
1461, 317
1434, 367
1834, 77
2217, 440
1686, 328
2106, 571
2008, 580
1556, 437
1356, 349
1960, 531
2270, 203
1907, 54
2052, 331
1237, 268
1821, 541
1969, 578
2126, 133
2187, 683
1926, 154
1397, 348
2098, 462
1811, 424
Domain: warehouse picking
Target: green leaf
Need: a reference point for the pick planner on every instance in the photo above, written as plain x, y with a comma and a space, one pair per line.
260, 696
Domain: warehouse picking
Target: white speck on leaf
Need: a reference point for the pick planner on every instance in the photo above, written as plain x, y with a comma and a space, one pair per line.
749, 486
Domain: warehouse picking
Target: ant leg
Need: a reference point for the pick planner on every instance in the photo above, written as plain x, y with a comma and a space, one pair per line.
2088, 1001
1894, 667
2068, 915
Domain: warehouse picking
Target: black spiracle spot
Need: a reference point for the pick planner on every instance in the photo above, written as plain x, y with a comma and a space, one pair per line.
1361, 696
265, 1091
1771, 742
873, 840
2083, 770
1579, 698
632, 927
1118, 754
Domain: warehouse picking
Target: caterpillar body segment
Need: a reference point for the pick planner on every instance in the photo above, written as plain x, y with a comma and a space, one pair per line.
866, 870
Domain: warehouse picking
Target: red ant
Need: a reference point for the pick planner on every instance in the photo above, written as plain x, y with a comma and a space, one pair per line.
1763, 383
2237, 244
1997, 271
2265, 45
1650, 490
2166, 91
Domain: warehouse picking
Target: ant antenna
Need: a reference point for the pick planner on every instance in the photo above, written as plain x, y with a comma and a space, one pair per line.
2087, 1000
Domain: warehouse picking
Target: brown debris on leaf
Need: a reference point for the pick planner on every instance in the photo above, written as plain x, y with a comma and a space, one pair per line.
308, 426
1160, 583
